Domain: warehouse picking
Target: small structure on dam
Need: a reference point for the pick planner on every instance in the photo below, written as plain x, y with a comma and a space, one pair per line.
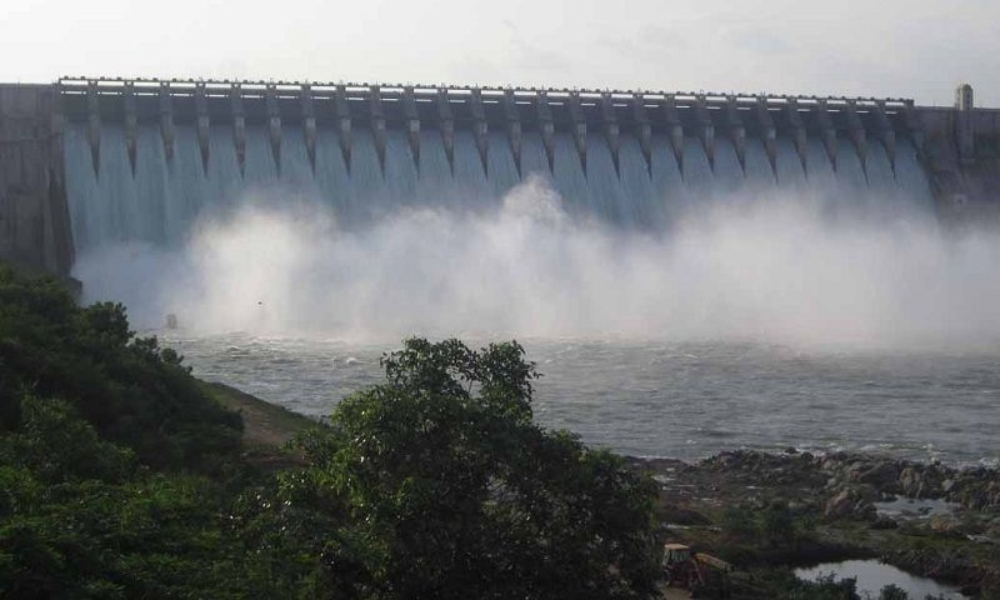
87, 161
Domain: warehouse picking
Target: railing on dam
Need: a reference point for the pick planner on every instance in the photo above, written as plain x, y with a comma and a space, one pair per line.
343, 107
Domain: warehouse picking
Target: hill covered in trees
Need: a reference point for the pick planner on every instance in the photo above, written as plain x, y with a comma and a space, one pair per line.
121, 475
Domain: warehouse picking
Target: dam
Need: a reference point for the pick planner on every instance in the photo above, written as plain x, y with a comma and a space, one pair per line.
87, 162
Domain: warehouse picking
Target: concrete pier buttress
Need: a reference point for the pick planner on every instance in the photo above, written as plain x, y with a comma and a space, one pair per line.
412, 125
769, 133
513, 122
705, 128
274, 124
675, 130
34, 217
166, 114
309, 130
644, 131
131, 125
480, 127
578, 129
737, 132
377, 125
547, 127
343, 114
859, 138
203, 123
239, 130
827, 131
447, 123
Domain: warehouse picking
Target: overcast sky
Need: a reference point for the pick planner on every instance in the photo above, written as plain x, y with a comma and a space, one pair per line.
916, 48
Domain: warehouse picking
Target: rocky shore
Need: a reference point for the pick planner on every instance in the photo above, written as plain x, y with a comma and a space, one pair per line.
929, 519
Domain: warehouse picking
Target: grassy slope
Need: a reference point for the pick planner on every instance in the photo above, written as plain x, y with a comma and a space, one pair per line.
265, 424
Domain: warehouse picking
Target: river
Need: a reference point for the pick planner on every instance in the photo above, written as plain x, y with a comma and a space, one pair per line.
684, 400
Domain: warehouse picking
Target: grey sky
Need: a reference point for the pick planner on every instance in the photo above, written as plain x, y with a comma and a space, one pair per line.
915, 48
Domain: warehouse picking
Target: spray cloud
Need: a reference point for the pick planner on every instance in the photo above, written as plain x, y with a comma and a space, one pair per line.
778, 269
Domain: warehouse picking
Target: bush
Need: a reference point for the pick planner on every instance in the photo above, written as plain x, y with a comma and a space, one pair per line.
453, 494
739, 523
777, 525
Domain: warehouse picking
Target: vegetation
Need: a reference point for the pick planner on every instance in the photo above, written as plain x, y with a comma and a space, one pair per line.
783, 584
123, 476
131, 391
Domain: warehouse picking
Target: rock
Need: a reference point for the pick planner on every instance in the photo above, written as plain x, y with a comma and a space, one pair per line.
883, 522
911, 482
839, 506
881, 475
851, 503
944, 523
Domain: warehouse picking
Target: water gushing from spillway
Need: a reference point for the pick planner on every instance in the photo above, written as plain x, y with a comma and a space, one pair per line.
673, 249
161, 203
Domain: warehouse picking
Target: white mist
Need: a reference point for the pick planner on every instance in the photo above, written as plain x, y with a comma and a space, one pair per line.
778, 269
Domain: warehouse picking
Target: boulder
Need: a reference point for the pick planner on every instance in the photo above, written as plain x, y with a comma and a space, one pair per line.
911, 481
882, 522
840, 506
945, 523
882, 474
851, 503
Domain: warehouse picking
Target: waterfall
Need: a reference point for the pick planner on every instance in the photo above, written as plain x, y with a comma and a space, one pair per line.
162, 200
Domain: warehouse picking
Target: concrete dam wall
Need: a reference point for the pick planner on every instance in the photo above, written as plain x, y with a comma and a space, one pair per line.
34, 220
91, 162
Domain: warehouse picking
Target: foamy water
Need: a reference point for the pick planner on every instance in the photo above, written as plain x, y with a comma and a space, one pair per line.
684, 400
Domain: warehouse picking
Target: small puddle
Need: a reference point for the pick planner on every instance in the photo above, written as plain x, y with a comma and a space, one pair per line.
873, 575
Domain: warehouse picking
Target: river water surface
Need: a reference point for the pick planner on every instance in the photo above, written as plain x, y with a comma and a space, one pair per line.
684, 400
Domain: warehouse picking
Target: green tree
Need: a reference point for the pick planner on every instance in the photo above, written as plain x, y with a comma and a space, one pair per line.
132, 392
445, 488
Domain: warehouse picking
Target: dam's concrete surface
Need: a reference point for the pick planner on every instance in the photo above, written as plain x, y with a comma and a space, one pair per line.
35, 231
957, 147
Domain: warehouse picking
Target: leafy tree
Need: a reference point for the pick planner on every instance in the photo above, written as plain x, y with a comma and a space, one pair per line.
445, 488
57, 446
79, 520
130, 390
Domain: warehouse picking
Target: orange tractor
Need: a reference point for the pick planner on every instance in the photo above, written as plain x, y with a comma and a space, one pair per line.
691, 570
